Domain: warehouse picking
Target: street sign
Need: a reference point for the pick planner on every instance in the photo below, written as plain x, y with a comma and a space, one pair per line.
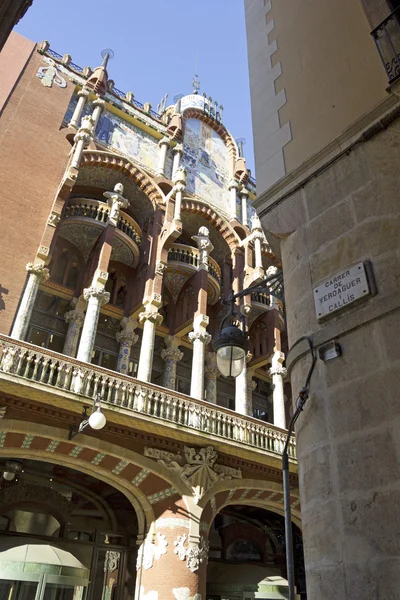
341, 290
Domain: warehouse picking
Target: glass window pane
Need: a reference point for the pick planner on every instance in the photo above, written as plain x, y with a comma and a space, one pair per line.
17, 590
109, 361
59, 591
38, 337
56, 343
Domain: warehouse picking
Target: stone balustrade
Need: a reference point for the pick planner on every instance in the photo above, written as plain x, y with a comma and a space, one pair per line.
99, 211
260, 298
28, 362
190, 255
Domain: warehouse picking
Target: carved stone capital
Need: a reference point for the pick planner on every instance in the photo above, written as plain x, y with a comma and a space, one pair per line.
83, 93
40, 271
171, 354
99, 293
99, 102
161, 267
201, 336
127, 338
153, 317
73, 316
233, 184
179, 187
178, 149
251, 386
85, 131
194, 553
212, 371
54, 219
278, 370
165, 141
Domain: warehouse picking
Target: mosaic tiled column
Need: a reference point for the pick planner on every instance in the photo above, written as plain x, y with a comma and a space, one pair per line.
126, 340
75, 320
278, 373
95, 298
76, 117
178, 152
200, 340
37, 274
82, 139
242, 404
171, 356
170, 565
211, 372
150, 319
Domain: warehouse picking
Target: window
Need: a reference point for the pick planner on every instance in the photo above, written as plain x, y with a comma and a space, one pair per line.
104, 359
46, 339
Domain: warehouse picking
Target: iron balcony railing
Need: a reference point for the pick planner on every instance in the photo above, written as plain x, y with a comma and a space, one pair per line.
28, 363
387, 40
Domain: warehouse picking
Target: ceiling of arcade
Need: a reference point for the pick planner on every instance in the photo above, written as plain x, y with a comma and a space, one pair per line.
98, 179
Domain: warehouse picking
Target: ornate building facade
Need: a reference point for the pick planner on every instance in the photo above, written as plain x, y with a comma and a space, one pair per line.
123, 230
324, 82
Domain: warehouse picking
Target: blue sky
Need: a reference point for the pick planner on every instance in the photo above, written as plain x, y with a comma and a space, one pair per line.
155, 44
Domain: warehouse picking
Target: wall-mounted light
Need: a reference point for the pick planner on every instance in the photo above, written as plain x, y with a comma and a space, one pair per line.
12, 468
96, 420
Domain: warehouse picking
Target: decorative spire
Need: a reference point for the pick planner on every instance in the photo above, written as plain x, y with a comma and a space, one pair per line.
196, 80
98, 81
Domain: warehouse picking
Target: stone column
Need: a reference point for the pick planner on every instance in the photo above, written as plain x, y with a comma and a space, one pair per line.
171, 564
278, 373
98, 108
37, 274
258, 238
178, 152
212, 373
243, 404
150, 319
251, 386
82, 139
76, 117
233, 188
273, 302
244, 194
200, 340
164, 144
75, 320
126, 340
95, 297
171, 355
179, 188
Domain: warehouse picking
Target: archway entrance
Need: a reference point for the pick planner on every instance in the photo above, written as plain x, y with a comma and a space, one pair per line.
67, 524
247, 556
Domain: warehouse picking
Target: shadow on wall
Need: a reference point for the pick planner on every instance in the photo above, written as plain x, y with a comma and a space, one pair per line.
4, 291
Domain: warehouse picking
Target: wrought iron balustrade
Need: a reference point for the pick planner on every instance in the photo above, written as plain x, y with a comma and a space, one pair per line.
387, 40
30, 363
99, 211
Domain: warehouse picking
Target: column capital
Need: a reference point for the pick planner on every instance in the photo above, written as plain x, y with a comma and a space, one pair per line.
172, 354
161, 267
128, 338
251, 386
233, 184
40, 271
180, 175
99, 102
212, 371
202, 336
165, 141
83, 93
99, 293
179, 187
278, 370
153, 317
85, 131
178, 149
244, 193
74, 316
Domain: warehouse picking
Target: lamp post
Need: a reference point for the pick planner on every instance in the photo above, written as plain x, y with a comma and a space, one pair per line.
96, 420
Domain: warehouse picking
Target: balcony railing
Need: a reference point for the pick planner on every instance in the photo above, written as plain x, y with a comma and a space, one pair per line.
260, 298
387, 40
190, 256
99, 211
55, 371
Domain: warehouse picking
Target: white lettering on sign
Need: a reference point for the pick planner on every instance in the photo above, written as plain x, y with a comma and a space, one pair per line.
340, 290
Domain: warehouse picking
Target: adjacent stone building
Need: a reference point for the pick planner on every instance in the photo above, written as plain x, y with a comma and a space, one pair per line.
122, 230
325, 107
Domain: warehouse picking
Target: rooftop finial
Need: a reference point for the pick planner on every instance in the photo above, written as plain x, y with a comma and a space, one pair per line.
107, 54
196, 80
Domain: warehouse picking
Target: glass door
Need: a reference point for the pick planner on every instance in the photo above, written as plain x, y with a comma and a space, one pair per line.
18, 590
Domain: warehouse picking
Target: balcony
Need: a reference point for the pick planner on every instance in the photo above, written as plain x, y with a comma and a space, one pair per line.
387, 40
81, 212
185, 259
70, 383
260, 300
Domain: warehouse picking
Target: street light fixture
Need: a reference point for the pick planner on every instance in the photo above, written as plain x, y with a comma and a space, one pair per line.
96, 420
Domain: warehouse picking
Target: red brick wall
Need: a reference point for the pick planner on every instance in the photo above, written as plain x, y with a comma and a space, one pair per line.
33, 155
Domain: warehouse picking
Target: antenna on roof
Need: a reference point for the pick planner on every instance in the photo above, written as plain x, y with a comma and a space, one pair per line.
107, 54
196, 80
240, 143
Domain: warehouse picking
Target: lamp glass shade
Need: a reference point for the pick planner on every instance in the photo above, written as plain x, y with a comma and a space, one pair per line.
230, 360
8, 476
97, 420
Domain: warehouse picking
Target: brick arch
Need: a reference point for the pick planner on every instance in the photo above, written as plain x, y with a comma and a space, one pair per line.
133, 475
93, 158
226, 231
217, 126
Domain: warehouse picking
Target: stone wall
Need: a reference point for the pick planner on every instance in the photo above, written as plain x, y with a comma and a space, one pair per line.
348, 435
